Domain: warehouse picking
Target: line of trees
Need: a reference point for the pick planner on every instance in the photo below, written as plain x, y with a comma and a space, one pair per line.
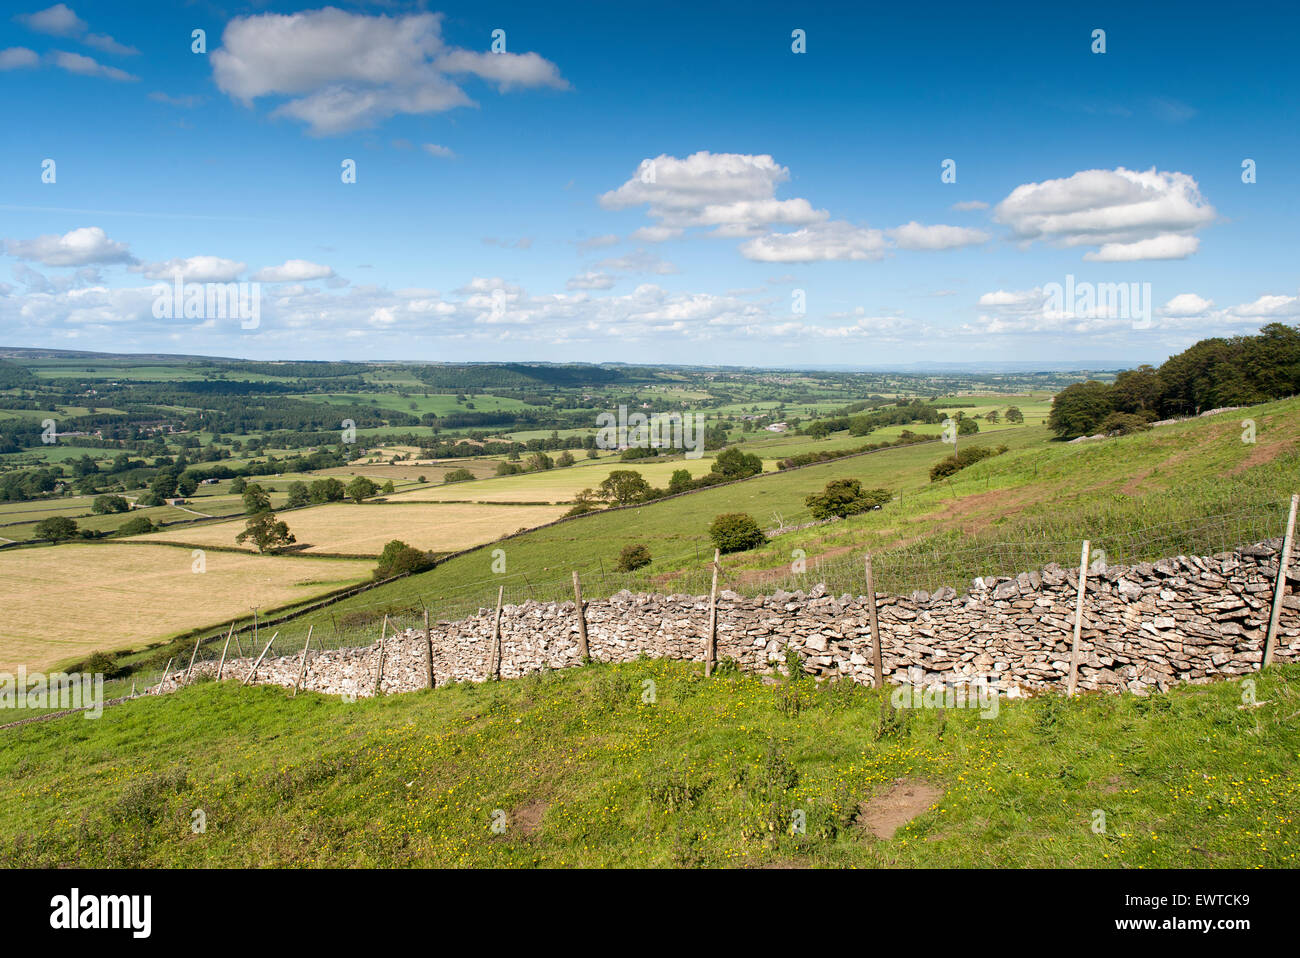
1218, 372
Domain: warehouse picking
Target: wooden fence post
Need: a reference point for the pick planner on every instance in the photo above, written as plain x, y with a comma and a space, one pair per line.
166, 672
584, 650
222, 665
238, 647
253, 670
711, 641
302, 669
428, 651
494, 667
190, 668
379, 672
1283, 560
1073, 680
877, 665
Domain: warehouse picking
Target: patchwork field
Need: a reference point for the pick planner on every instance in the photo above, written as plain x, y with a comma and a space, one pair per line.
400, 472
553, 485
18, 520
365, 529
69, 600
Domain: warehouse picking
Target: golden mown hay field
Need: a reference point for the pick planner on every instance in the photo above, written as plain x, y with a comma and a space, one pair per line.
64, 601
350, 529
553, 485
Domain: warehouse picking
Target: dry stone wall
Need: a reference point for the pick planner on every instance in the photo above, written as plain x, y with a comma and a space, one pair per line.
1146, 627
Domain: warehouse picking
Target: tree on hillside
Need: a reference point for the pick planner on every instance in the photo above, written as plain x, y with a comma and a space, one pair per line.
163, 485
56, 529
256, 499
680, 481
135, 526
399, 558
361, 488
106, 505
268, 533
1078, 409
736, 532
1136, 391
1014, 414
843, 498
298, 494
624, 486
735, 464
330, 489
632, 557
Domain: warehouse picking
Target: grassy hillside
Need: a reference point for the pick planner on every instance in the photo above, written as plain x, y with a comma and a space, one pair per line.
1189, 486
586, 768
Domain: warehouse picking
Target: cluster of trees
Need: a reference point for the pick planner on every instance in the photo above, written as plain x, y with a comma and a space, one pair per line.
537, 462
61, 528
863, 425
1238, 371
907, 437
399, 558
627, 486
21, 485
164, 479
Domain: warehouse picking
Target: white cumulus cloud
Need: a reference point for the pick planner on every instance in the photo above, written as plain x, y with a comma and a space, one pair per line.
735, 193
80, 247
1127, 214
345, 71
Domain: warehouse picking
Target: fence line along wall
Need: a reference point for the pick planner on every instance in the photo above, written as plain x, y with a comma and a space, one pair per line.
1145, 627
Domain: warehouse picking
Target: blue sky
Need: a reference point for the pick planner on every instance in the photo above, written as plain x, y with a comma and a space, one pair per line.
649, 184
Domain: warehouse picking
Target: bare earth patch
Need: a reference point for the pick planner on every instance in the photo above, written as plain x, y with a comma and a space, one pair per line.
1262, 454
885, 814
527, 818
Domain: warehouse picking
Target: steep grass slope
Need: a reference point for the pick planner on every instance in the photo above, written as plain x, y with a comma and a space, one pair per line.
649, 764
1189, 486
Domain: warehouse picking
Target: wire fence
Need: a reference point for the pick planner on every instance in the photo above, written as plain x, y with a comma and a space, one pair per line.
944, 558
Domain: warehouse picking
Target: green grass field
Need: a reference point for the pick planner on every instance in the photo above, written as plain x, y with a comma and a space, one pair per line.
584, 768
554, 485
